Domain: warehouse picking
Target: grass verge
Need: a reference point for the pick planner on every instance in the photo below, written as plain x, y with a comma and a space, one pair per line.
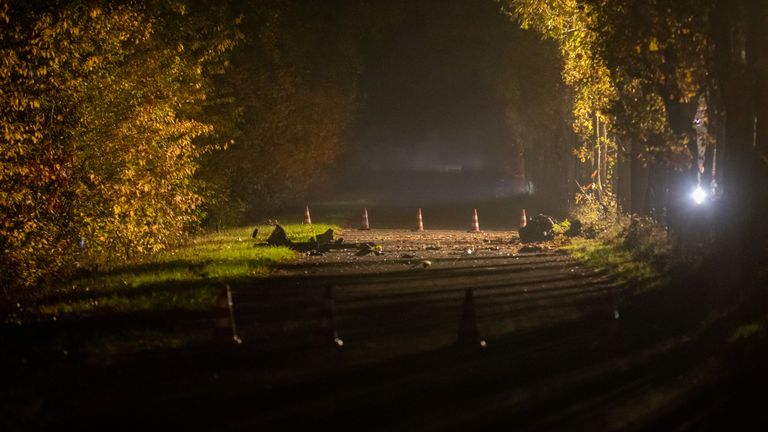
159, 301
636, 251
615, 259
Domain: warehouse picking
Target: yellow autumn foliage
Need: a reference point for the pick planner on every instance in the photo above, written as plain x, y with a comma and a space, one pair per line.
98, 124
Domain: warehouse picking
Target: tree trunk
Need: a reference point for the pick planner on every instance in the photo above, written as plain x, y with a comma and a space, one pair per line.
623, 176
736, 211
638, 180
757, 43
604, 151
598, 160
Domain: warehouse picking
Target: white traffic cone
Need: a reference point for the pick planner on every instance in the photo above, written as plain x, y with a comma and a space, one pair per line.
475, 223
364, 222
419, 221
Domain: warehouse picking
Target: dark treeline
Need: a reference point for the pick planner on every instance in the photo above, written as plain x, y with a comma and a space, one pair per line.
101, 115
291, 91
675, 91
127, 124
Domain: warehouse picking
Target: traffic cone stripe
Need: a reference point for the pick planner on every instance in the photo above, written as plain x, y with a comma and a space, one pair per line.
364, 223
420, 222
475, 223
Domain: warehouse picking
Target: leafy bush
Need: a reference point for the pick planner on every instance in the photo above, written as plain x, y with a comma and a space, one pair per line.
98, 124
561, 227
628, 243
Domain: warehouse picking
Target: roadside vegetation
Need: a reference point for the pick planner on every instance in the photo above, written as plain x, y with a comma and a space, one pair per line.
679, 277
636, 250
653, 85
171, 294
128, 126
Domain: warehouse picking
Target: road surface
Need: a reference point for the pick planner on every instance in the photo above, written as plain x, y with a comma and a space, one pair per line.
567, 348
551, 327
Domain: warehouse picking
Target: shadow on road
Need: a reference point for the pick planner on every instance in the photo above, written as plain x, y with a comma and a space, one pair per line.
568, 349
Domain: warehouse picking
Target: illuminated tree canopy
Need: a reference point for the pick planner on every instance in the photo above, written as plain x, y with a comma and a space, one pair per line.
645, 68
99, 120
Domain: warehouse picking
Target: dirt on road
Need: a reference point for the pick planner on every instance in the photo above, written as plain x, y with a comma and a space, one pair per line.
392, 250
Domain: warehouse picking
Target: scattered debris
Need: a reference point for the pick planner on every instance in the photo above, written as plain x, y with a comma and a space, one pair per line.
369, 248
255, 232
363, 252
539, 228
279, 237
325, 238
432, 248
468, 251
314, 252
531, 248
495, 241
407, 256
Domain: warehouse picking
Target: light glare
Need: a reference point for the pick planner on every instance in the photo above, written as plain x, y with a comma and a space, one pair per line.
699, 195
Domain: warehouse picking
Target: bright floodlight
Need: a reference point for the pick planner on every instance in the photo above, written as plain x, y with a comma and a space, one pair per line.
699, 195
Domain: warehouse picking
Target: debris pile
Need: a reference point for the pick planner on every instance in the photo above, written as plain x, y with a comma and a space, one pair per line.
279, 237
539, 228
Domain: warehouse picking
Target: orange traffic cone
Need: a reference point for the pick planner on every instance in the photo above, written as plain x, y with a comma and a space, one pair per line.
475, 223
469, 334
523, 220
327, 333
224, 330
307, 218
364, 223
419, 221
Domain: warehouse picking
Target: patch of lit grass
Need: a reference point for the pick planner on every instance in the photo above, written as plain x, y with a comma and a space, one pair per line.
163, 301
616, 260
185, 278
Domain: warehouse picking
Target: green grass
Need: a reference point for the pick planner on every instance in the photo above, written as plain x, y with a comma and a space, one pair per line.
635, 250
185, 278
612, 257
158, 301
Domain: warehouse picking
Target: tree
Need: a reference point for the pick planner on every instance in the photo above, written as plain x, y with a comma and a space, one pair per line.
98, 121
570, 24
293, 84
663, 58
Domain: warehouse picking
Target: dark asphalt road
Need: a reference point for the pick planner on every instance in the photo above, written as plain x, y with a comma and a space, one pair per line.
558, 357
542, 315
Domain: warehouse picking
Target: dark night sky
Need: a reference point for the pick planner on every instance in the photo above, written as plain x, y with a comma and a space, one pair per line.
434, 85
